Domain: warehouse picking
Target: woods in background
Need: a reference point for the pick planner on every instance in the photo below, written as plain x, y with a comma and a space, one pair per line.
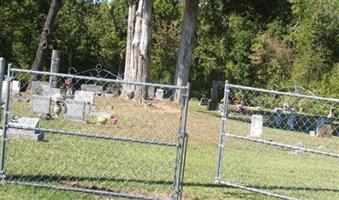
267, 44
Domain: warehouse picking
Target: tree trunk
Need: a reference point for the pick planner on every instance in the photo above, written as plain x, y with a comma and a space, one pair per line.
186, 45
46, 35
138, 48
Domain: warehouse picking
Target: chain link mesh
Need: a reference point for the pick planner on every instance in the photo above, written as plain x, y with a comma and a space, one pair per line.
96, 138
280, 143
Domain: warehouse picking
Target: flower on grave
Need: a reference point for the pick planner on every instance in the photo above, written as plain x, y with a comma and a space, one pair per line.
114, 120
57, 97
68, 82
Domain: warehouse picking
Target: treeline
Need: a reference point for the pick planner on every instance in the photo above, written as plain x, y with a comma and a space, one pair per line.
271, 44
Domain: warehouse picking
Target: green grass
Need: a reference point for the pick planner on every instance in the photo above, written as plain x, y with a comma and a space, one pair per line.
139, 168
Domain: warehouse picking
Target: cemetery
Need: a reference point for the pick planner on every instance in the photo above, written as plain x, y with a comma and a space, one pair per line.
169, 100
91, 113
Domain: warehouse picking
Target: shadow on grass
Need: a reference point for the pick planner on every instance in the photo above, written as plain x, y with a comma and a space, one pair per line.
72, 179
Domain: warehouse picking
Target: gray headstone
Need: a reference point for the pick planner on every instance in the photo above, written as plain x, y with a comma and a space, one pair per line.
214, 91
203, 101
85, 96
25, 122
102, 117
151, 92
40, 104
159, 95
37, 87
75, 110
112, 92
51, 91
92, 88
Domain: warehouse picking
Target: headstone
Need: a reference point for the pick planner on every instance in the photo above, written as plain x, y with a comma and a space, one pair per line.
41, 104
151, 92
277, 117
203, 101
102, 117
85, 96
214, 91
213, 102
49, 92
25, 122
159, 95
92, 88
37, 87
75, 110
320, 122
14, 89
256, 126
112, 92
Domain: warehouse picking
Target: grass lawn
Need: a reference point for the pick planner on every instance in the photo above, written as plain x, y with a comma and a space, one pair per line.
148, 169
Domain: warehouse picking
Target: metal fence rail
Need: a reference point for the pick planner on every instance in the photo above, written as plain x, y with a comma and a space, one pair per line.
87, 134
263, 130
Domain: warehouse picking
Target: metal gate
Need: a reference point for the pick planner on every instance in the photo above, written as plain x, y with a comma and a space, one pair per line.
85, 134
280, 144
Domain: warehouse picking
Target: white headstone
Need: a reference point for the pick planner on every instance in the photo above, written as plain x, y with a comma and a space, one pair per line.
256, 126
85, 96
92, 87
159, 95
14, 88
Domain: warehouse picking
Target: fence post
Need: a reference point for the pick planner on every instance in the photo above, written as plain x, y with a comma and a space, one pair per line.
182, 148
55, 63
4, 124
222, 133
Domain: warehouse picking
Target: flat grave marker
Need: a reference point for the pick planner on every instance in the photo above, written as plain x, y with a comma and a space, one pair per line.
25, 122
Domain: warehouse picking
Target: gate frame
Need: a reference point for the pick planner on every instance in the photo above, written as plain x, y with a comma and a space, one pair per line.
181, 142
223, 134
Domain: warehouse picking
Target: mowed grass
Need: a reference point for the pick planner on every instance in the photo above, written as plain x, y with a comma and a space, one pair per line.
148, 169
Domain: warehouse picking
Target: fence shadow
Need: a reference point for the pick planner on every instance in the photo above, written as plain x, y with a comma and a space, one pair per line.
45, 178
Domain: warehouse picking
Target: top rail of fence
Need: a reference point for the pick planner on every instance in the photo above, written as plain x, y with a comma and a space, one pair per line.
283, 93
97, 79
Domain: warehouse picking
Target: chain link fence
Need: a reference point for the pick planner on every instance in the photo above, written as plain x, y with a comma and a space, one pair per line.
90, 134
278, 143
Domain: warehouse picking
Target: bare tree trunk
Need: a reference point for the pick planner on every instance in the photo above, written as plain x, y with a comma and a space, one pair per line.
144, 51
46, 35
138, 50
186, 45
127, 89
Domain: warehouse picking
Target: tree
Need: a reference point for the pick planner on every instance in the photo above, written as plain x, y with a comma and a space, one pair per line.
186, 45
138, 49
46, 35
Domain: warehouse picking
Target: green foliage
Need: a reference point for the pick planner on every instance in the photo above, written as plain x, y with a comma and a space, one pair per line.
269, 44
